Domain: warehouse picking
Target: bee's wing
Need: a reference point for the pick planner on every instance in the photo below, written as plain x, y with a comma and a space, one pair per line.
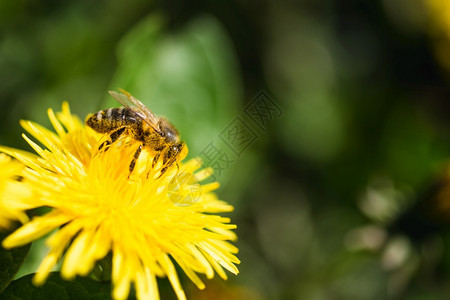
139, 108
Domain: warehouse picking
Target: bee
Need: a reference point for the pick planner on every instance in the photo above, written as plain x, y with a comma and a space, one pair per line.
134, 119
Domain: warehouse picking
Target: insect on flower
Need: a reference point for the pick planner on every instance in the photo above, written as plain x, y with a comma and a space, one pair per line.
137, 121
95, 209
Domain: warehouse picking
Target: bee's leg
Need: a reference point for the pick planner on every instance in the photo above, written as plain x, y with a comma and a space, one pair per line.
105, 143
168, 160
155, 159
163, 170
135, 157
112, 138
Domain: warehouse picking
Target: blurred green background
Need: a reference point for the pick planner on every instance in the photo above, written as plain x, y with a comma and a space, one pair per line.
327, 123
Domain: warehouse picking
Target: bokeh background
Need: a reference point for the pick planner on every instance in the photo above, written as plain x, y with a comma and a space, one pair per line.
327, 122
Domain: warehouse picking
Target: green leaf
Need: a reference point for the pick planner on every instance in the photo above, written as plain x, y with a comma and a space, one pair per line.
56, 288
10, 262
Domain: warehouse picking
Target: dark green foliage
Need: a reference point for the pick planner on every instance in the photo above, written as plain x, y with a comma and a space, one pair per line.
56, 288
10, 262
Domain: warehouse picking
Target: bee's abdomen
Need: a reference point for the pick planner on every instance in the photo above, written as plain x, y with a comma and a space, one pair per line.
109, 119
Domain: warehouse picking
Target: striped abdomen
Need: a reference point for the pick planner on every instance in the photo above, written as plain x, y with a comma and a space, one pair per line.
110, 119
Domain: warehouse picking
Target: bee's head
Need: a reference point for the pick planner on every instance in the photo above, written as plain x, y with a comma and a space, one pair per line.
169, 132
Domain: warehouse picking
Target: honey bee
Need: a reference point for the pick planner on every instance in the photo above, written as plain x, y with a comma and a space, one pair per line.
137, 121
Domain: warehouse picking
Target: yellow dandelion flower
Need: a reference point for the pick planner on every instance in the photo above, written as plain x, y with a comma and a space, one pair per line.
439, 28
147, 221
13, 193
439, 11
